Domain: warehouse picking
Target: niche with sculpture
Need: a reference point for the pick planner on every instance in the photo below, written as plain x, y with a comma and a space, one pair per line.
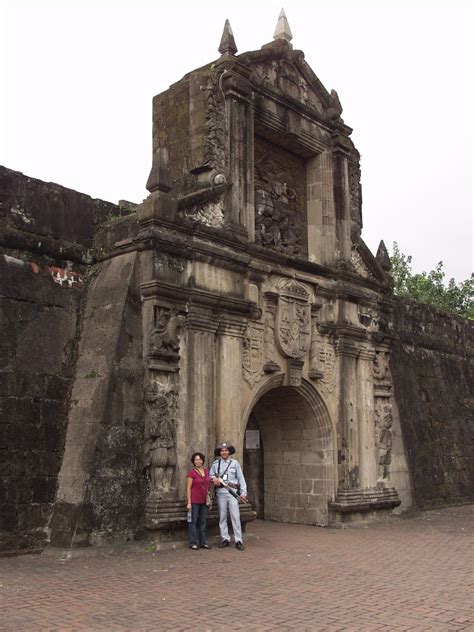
280, 198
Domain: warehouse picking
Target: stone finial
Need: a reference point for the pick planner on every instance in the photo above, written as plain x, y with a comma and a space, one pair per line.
227, 45
335, 102
282, 30
383, 257
159, 179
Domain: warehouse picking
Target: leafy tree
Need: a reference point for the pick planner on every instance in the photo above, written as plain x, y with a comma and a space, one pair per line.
429, 287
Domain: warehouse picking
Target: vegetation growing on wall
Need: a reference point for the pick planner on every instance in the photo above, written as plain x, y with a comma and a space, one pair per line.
429, 287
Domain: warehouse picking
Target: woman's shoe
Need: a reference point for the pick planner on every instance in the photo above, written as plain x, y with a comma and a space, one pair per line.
194, 547
205, 546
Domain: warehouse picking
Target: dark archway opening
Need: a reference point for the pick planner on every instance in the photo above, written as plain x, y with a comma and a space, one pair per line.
289, 457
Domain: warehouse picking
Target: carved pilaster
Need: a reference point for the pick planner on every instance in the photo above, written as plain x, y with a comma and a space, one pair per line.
271, 302
383, 422
315, 369
383, 415
231, 326
341, 149
381, 372
365, 417
239, 147
161, 410
253, 353
200, 319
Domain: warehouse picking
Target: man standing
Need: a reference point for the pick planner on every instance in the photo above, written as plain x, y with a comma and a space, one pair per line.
230, 472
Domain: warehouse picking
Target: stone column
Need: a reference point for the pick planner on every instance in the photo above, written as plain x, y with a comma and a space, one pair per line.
200, 382
348, 430
321, 219
239, 154
315, 371
365, 414
341, 151
229, 381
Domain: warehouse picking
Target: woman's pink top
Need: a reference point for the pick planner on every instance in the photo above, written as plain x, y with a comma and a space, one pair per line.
200, 486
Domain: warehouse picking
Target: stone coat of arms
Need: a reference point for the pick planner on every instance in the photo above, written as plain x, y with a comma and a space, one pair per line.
294, 320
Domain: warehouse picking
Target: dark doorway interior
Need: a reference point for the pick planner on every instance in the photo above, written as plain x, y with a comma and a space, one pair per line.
253, 466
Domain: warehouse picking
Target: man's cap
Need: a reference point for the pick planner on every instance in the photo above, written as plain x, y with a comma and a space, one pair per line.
219, 447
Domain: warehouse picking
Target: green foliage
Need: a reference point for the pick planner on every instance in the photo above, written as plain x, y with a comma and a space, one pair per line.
429, 287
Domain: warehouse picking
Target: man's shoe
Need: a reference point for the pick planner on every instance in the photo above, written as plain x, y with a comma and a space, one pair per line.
204, 546
224, 544
239, 545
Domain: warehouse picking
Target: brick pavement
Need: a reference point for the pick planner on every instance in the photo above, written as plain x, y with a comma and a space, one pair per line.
405, 574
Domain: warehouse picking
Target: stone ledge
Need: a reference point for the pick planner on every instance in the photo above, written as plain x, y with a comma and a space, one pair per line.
361, 500
167, 515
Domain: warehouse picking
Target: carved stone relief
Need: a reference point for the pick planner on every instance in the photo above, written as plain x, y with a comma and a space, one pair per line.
280, 198
381, 370
294, 372
209, 213
160, 437
271, 301
325, 362
165, 334
359, 265
163, 261
369, 318
285, 78
293, 319
253, 353
355, 190
383, 434
215, 117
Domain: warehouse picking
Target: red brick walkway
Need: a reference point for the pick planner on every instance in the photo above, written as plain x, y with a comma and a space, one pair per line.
406, 574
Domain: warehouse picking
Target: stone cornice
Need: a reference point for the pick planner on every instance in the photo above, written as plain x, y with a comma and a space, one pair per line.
195, 241
196, 296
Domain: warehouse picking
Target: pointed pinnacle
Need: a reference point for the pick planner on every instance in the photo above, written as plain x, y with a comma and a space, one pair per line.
159, 179
383, 257
283, 30
227, 45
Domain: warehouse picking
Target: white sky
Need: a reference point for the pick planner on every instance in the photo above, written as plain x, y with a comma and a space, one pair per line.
77, 80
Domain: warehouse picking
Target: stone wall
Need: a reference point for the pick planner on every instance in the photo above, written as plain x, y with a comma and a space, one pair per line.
100, 495
432, 370
39, 325
46, 234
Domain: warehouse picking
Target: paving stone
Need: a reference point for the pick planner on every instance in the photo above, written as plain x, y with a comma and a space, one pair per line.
404, 574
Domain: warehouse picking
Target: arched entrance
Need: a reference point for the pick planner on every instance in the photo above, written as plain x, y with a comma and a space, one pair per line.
291, 472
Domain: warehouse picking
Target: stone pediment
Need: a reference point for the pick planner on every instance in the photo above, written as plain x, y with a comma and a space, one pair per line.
282, 71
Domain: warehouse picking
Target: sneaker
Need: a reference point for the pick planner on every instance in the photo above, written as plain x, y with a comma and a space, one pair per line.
239, 545
194, 547
204, 546
224, 544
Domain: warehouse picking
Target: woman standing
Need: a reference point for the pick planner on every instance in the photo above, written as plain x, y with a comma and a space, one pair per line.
197, 487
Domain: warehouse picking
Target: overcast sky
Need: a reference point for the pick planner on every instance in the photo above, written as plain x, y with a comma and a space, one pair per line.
77, 80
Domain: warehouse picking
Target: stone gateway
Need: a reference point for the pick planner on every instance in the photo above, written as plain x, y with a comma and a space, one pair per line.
238, 302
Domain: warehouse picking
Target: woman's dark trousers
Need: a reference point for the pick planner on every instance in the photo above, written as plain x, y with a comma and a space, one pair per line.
197, 527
